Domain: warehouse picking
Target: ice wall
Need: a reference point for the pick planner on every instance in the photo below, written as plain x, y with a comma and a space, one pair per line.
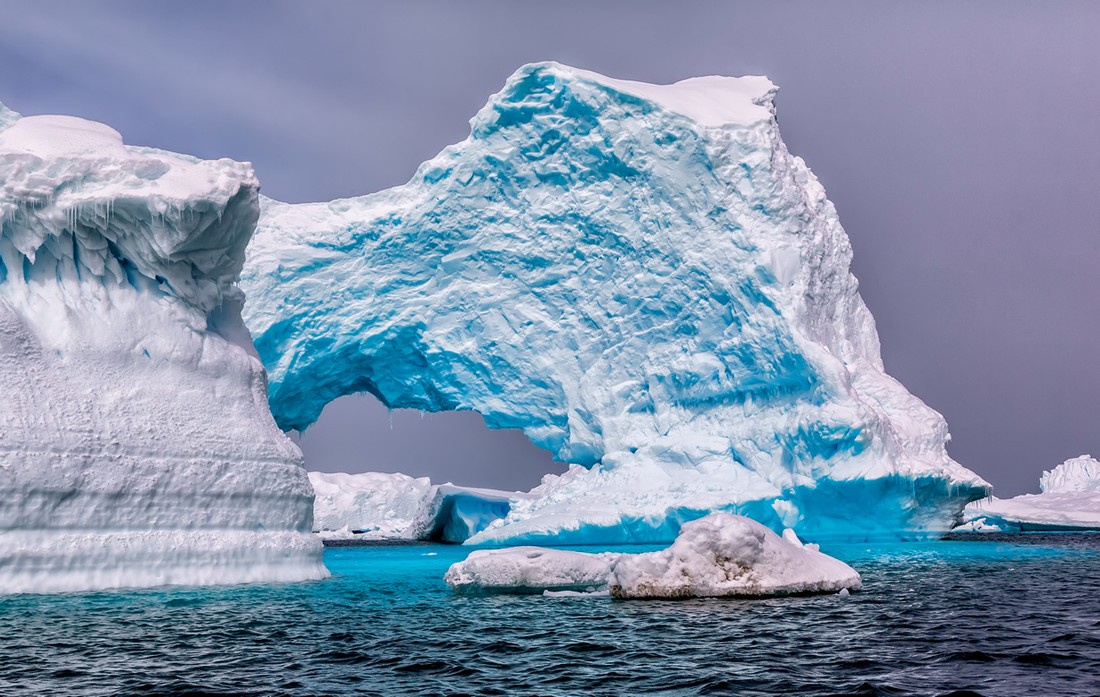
136, 444
644, 280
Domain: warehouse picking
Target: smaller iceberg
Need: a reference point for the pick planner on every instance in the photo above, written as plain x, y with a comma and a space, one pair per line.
719, 555
730, 555
531, 570
1070, 500
385, 506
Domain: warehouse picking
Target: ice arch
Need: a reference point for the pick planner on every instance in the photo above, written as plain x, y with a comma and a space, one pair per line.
645, 281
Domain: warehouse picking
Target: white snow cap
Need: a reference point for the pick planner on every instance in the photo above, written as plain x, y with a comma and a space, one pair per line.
712, 100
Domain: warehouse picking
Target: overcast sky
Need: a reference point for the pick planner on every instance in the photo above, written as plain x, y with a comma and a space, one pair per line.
959, 140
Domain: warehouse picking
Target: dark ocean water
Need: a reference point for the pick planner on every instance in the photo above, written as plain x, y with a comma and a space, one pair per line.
1008, 615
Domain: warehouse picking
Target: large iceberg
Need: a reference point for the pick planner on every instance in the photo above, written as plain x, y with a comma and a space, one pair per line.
1070, 500
136, 444
384, 506
644, 280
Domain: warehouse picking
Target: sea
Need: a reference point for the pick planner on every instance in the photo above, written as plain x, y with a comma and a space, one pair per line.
972, 615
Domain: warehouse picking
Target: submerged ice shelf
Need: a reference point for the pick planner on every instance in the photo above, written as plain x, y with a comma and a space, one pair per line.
718, 555
644, 280
1070, 500
136, 444
383, 506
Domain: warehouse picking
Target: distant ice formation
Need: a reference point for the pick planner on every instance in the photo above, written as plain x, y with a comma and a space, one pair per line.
644, 280
382, 506
1070, 500
719, 555
136, 444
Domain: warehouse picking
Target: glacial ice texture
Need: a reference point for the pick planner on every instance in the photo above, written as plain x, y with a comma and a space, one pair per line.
384, 506
1070, 500
645, 281
136, 444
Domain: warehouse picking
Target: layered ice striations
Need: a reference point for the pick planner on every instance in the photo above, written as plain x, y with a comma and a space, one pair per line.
644, 280
136, 444
1070, 500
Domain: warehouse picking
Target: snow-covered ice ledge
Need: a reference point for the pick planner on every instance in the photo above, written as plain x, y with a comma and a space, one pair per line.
1070, 500
719, 555
642, 278
136, 444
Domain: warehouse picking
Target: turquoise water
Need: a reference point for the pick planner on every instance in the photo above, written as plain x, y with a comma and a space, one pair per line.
1011, 615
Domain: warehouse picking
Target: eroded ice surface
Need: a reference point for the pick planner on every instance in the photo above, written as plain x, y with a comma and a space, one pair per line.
1070, 500
645, 281
379, 505
718, 555
136, 445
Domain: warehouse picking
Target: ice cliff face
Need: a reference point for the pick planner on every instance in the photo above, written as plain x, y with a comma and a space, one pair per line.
136, 445
645, 281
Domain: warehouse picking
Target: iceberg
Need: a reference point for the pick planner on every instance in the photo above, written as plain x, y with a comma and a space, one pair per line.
1070, 500
728, 555
383, 506
136, 444
719, 555
645, 281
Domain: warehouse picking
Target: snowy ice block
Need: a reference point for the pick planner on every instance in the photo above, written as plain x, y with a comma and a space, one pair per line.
1070, 500
136, 444
729, 555
643, 279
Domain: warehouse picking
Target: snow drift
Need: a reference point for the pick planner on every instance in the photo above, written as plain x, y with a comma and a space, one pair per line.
719, 555
136, 445
383, 506
644, 280
1070, 500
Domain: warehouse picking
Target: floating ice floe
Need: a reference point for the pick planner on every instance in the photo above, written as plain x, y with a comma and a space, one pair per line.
719, 555
1070, 500
642, 278
530, 570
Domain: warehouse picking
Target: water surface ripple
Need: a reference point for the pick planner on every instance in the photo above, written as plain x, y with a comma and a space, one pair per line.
981, 615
